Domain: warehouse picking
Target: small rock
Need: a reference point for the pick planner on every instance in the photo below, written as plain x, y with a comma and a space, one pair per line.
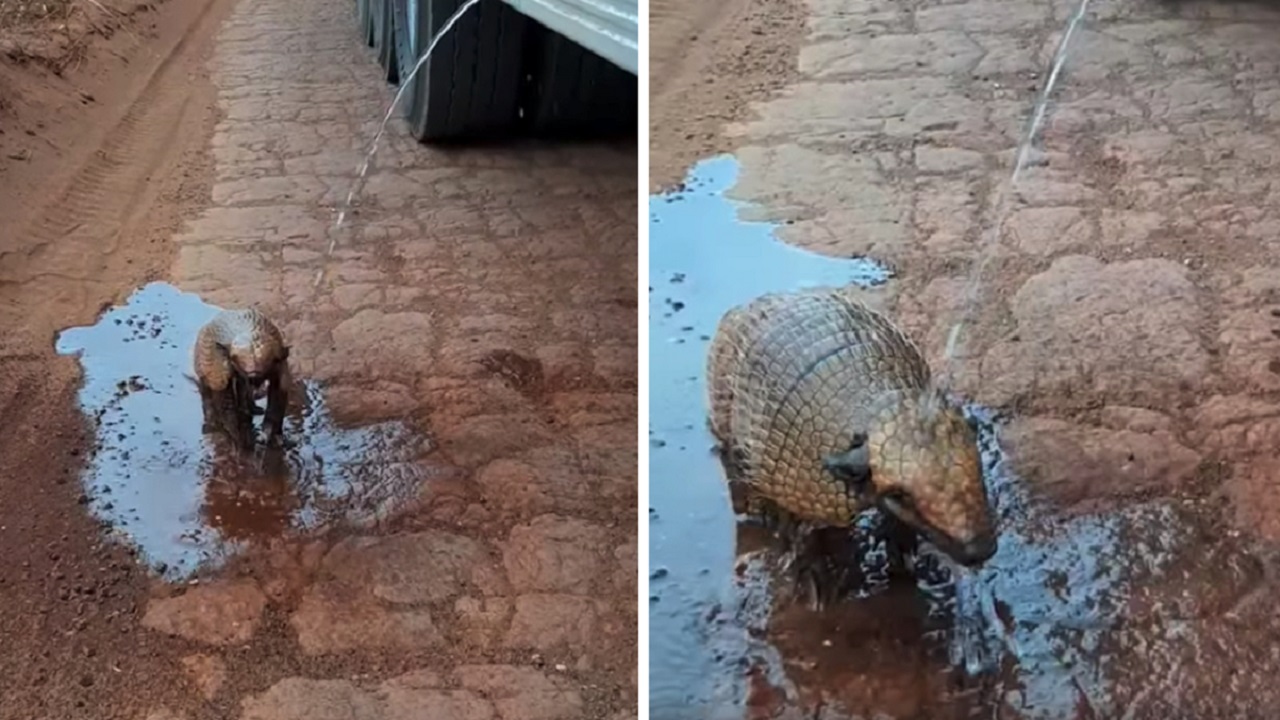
329, 622
548, 622
1074, 463
555, 553
1124, 332
306, 699
216, 614
415, 567
520, 693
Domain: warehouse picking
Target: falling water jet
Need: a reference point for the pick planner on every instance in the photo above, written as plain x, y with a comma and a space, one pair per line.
373, 147
1002, 199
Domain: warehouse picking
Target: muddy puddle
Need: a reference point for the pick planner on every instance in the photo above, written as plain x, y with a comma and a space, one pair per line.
1151, 610
181, 497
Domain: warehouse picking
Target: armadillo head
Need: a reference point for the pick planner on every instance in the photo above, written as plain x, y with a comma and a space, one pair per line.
252, 360
922, 465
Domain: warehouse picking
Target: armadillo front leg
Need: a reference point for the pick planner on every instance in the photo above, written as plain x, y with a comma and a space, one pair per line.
223, 414
902, 545
824, 566
238, 413
211, 406
277, 404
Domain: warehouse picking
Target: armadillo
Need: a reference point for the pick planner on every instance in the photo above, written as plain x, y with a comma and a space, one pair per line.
827, 409
239, 356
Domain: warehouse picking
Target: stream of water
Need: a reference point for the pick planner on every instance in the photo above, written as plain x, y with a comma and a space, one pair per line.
363, 171
1004, 192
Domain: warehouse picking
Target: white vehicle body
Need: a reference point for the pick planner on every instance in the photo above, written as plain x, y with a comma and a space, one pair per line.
609, 28
508, 67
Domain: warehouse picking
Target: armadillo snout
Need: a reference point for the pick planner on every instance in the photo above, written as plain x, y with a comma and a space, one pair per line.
977, 551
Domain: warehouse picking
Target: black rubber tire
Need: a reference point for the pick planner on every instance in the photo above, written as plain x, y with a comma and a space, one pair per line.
384, 40
470, 86
364, 20
581, 94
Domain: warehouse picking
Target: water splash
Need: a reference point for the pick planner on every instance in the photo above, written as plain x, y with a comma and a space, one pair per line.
363, 171
1021, 161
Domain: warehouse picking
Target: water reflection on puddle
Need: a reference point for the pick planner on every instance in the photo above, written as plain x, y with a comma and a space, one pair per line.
178, 495
1062, 623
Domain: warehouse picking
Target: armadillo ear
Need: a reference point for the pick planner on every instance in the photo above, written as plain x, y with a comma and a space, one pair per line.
284, 353
853, 466
223, 348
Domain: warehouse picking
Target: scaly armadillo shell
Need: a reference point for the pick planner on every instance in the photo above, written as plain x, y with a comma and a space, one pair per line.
236, 328
791, 378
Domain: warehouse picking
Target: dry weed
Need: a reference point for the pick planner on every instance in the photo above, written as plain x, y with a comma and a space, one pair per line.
17, 14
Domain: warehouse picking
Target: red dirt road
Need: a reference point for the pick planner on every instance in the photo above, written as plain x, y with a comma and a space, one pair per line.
484, 298
1127, 322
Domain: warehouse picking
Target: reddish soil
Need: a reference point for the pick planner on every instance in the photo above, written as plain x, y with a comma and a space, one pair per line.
75, 87
708, 62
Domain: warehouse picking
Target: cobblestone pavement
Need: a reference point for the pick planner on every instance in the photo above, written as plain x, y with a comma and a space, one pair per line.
487, 294
1131, 284
1129, 316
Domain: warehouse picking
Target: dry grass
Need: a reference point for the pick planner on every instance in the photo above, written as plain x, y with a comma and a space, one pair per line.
56, 33
19, 14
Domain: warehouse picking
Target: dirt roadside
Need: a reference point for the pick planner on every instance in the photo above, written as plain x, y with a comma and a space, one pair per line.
79, 176
708, 63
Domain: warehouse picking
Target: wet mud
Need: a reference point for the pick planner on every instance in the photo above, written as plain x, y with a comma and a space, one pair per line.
1150, 609
184, 498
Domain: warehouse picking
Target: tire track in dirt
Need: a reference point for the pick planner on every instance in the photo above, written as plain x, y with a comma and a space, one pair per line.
127, 172
709, 64
77, 236
674, 28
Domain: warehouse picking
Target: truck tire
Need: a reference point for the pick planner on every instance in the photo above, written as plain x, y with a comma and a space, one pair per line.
384, 40
364, 20
469, 88
580, 93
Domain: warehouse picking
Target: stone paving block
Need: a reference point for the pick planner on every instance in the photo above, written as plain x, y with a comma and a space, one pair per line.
554, 554
446, 259
221, 613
